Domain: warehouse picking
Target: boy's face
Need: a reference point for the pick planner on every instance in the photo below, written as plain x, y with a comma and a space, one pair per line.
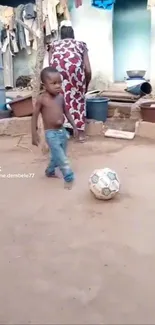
53, 83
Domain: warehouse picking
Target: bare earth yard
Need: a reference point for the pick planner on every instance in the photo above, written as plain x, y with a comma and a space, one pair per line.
66, 258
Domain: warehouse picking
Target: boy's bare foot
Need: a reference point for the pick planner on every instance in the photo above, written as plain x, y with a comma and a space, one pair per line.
68, 185
51, 175
56, 174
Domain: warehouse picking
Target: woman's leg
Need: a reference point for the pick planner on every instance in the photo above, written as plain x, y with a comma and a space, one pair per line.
82, 136
81, 122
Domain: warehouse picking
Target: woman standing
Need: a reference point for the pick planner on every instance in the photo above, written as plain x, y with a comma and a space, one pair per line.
70, 58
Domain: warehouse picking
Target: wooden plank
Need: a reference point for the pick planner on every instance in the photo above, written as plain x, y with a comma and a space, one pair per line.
123, 100
118, 95
123, 105
110, 133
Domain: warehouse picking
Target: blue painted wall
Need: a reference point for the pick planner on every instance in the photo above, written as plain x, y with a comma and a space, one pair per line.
131, 37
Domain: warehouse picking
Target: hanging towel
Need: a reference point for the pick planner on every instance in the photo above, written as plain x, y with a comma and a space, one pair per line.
78, 3
49, 9
103, 4
150, 4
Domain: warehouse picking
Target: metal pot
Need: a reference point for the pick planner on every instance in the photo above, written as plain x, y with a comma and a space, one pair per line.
136, 73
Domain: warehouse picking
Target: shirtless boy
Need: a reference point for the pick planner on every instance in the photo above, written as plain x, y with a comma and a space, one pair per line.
52, 107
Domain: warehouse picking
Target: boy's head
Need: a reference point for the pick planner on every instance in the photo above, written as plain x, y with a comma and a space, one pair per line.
51, 80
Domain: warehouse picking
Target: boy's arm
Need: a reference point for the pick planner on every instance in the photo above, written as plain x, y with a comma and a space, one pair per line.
70, 120
36, 112
68, 115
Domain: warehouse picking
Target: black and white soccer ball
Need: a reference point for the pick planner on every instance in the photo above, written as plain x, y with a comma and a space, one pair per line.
104, 183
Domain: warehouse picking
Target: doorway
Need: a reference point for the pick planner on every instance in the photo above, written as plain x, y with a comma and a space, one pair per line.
131, 37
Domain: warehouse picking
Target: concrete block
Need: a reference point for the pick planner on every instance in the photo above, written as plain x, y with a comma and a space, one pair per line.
125, 112
119, 109
145, 130
94, 128
3, 125
111, 112
15, 126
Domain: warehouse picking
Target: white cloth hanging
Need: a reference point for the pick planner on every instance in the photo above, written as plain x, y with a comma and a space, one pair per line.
49, 10
150, 4
7, 62
46, 60
32, 24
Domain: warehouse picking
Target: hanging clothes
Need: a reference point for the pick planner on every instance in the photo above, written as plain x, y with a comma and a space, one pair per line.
7, 62
1, 28
3, 34
7, 13
47, 27
29, 38
78, 3
46, 60
20, 29
103, 4
12, 23
70, 5
60, 9
13, 43
29, 11
12, 32
49, 11
150, 4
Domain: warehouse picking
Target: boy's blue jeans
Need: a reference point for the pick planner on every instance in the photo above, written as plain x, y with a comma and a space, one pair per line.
57, 142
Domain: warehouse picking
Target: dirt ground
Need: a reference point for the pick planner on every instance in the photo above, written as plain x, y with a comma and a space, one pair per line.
66, 258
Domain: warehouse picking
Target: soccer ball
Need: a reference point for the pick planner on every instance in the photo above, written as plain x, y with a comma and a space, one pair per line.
104, 184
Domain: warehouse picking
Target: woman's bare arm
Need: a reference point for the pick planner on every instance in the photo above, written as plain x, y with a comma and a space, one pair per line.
87, 68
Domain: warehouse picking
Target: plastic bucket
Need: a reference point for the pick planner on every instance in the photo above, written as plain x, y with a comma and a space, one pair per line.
2, 98
97, 108
144, 88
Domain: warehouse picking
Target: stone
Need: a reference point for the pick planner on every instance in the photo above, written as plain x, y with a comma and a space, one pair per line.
145, 130
15, 126
119, 109
111, 112
94, 128
3, 125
